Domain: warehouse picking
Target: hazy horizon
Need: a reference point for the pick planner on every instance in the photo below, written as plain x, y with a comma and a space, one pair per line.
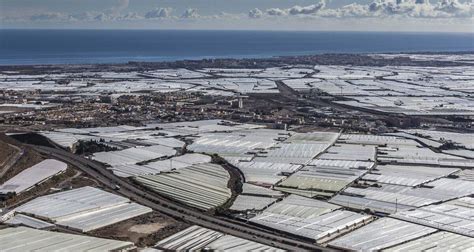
243, 29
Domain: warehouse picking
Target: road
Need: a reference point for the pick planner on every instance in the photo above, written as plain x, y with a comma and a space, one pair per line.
11, 161
166, 206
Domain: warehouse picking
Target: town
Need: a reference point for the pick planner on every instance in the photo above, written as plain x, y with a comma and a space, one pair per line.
357, 152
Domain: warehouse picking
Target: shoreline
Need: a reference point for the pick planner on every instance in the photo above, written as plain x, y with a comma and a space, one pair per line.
361, 59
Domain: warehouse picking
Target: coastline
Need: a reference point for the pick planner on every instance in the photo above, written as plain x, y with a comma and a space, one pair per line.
361, 59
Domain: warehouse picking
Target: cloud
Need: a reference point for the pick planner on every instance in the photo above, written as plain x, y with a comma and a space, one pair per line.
276, 12
459, 10
255, 13
353, 10
102, 17
454, 7
376, 8
393, 7
159, 13
190, 13
131, 16
49, 16
113, 13
84, 16
295, 10
307, 10
421, 8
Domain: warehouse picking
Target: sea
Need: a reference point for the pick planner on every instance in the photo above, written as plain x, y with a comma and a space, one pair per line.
31, 47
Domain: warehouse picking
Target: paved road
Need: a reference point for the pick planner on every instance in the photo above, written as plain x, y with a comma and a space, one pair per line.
100, 173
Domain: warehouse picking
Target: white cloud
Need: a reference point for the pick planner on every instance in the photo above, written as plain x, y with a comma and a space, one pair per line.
421, 8
50, 16
159, 13
316, 16
353, 10
131, 16
190, 13
377, 8
456, 8
307, 10
295, 10
276, 12
102, 17
255, 13
84, 16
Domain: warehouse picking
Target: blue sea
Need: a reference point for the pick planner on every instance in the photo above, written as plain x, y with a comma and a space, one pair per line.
20, 47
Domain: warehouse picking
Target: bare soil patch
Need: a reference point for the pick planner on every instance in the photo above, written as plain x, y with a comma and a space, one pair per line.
6, 153
145, 230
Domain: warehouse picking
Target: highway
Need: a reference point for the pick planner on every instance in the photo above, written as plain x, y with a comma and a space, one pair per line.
168, 207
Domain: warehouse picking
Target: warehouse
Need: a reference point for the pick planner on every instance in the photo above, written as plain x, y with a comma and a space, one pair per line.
293, 153
321, 228
380, 234
454, 216
246, 203
130, 170
424, 141
462, 139
264, 172
234, 143
203, 186
236, 244
24, 220
373, 140
83, 209
180, 161
133, 155
350, 152
407, 175
66, 140
453, 187
440, 241
28, 239
32, 176
198, 238
301, 207
249, 189
347, 164
313, 219
392, 198
313, 137
466, 174
320, 180
414, 154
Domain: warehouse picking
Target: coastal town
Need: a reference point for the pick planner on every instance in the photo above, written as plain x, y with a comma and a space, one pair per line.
359, 152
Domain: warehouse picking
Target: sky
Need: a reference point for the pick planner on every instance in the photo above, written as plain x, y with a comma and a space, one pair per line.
293, 15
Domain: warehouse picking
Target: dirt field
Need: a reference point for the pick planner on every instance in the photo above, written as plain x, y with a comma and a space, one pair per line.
77, 181
6, 153
28, 158
144, 230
